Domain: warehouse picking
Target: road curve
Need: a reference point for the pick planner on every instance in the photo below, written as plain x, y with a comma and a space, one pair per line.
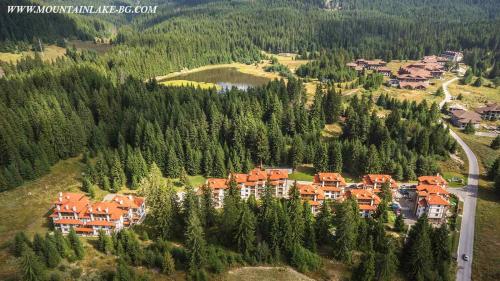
468, 194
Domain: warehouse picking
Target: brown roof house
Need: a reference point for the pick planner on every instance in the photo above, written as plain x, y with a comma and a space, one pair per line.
489, 112
461, 118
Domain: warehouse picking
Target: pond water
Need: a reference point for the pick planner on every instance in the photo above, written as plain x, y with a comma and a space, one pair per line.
226, 77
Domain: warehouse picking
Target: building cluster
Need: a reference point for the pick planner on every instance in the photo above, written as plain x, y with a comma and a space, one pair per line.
432, 198
460, 117
75, 210
253, 183
431, 194
412, 76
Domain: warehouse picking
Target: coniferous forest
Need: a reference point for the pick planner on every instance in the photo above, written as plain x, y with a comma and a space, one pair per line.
133, 132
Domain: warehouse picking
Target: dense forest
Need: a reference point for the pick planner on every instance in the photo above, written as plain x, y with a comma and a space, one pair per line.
65, 109
19, 29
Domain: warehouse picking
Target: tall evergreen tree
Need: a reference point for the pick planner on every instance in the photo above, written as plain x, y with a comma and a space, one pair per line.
366, 269
76, 244
32, 269
309, 229
245, 232
345, 231
195, 244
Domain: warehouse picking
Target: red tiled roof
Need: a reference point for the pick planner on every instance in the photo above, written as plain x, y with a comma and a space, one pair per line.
436, 200
257, 175
68, 221
277, 174
130, 201
100, 223
431, 189
83, 229
240, 178
329, 177
371, 179
432, 180
365, 207
217, 183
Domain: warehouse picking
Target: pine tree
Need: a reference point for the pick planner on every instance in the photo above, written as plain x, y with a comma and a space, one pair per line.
230, 213
309, 230
335, 157
51, 254
86, 185
418, 264
366, 269
469, 129
399, 223
345, 231
373, 164
219, 168
207, 207
104, 242
387, 262
21, 243
295, 233
382, 214
245, 232
441, 246
38, 244
76, 244
168, 264
61, 244
158, 199
495, 143
324, 223
123, 271
195, 244
32, 269
172, 166
117, 178
321, 158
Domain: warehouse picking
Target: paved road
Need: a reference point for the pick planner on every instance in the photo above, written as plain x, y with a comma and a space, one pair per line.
468, 194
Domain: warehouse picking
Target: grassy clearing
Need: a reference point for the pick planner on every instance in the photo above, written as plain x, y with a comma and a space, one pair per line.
331, 130
487, 237
475, 96
90, 45
264, 274
25, 208
481, 147
303, 173
50, 53
185, 83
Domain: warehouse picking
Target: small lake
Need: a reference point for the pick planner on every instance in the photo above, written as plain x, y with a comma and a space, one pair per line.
226, 77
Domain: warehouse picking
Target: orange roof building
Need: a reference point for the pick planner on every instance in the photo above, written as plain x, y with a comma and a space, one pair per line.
74, 210
432, 198
376, 180
332, 184
367, 201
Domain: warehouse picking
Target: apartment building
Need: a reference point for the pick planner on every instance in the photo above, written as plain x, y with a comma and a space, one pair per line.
432, 198
74, 210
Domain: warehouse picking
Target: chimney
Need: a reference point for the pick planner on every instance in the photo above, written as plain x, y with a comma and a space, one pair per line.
66, 207
107, 210
60, 194
121, 202
74, 208
129, 197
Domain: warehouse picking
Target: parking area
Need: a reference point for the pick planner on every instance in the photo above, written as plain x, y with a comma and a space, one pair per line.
406, 199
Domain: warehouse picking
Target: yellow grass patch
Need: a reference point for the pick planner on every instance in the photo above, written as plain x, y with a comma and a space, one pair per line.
51, 52
184, 83
475, 96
